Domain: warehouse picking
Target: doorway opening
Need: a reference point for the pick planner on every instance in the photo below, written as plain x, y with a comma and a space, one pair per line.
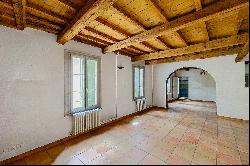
191, 86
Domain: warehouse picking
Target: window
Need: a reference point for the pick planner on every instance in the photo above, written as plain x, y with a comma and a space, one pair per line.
82, 82
169, 87
138, 81
246, 74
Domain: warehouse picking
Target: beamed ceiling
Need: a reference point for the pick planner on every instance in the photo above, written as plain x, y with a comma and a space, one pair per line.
155, 31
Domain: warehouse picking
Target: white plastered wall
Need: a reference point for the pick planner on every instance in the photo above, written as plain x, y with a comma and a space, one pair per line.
231, 94
32, 89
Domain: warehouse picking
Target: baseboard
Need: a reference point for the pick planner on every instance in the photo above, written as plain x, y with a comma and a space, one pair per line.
234, 119
50, 145
173, 100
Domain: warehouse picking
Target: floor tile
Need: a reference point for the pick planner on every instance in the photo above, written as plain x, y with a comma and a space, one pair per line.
151, 160
188, 133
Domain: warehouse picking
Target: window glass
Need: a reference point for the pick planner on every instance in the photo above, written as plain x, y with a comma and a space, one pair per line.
246, 74
138, 82
78, 83
92, 82
141, 85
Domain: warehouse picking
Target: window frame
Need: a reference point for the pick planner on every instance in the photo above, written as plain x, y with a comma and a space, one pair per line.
246, 74
98, 98
140, 67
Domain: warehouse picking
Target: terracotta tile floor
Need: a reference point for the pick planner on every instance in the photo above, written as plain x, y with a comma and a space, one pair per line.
189, 133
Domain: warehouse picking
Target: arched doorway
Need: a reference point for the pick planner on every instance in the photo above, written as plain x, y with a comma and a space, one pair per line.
190, 83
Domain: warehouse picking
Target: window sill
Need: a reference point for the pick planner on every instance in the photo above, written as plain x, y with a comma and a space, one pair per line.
82, 111
141, 98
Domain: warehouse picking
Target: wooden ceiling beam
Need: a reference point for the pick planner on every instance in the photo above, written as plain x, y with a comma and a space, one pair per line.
219, 9
88, 13
195, 56
210, 45
19, 10
243, 53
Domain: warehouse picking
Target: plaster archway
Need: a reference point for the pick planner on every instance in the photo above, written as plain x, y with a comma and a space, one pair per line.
186, 68
231, 95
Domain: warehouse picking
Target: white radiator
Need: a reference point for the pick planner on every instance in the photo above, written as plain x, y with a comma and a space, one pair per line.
140, 104
85, 121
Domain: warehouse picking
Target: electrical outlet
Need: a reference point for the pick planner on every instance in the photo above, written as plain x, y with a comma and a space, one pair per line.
11, 149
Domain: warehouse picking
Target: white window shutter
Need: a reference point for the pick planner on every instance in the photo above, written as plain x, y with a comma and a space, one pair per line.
67, 83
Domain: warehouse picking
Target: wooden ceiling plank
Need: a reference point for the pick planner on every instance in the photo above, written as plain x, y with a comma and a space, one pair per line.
120, 30
148, 45
134, 50
206, 31
198, 6
179, 36
92, 38
114, 27
42, 28
7, 16
88, 13
103, 35
40, 21
163, 13
201, 55
38, 11
132, 20
83, 39
137, 23
69, 4
6, 5
127, 52
239, 22
164, 42
19, 7
219, 9
9, 23
243, 53
88, 42
210, 45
